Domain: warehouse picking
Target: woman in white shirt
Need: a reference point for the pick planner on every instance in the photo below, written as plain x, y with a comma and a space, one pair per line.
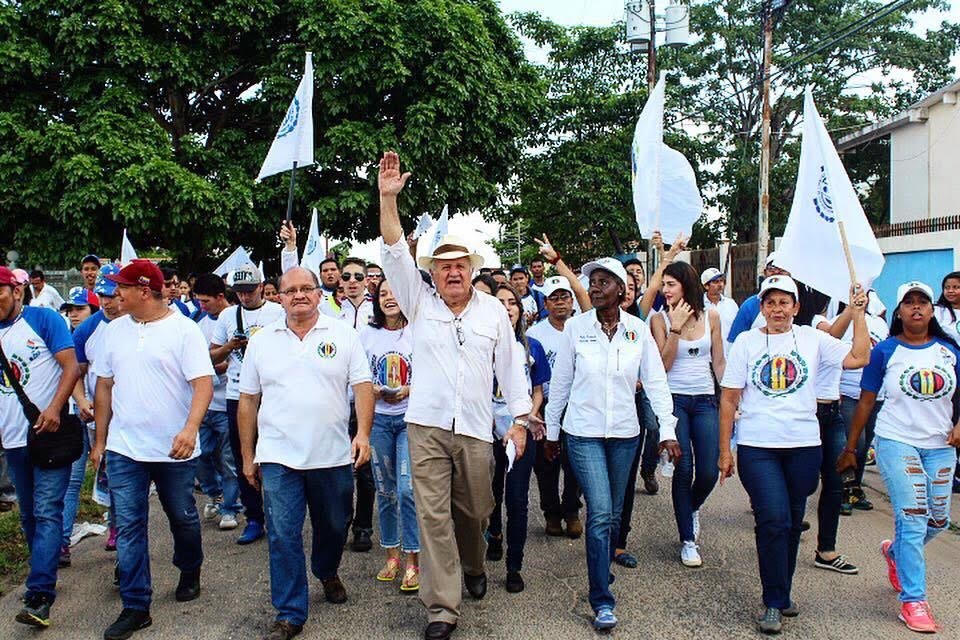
947, 309
917, 368
602, 355
772, 374
389, 348
691, 346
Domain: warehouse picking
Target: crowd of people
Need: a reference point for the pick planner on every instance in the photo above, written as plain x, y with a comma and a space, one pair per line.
434, 389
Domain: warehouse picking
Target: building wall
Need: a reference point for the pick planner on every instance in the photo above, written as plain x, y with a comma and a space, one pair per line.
925, 256
943, 127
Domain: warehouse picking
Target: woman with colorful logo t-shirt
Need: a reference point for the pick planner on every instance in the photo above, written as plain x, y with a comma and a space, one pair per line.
917, 368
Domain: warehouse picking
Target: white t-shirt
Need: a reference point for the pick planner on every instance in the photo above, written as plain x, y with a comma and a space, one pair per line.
152, 365
88, 340
850, 378
727, 308
828, 383
778, 375
253, 321
950, 324
550, 338
356, 316
304, 411
390, 354
49, 298
208, 325
919, 383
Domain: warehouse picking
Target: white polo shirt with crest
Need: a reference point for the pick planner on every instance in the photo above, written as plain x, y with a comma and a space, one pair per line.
304, 411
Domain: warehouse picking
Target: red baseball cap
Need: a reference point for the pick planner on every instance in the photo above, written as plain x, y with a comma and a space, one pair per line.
7, 277
139, 273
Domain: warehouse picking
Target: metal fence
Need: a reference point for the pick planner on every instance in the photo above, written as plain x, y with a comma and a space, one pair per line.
911, 227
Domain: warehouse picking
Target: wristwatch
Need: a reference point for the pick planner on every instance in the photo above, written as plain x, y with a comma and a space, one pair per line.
521, 422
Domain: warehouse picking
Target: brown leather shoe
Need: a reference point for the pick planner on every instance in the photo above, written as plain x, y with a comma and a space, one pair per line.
554, 526
650, 484
334, 591
574, 528
439, 630
283, 630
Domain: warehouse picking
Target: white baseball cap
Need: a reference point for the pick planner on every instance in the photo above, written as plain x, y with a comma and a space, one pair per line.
612, 265
771, 258
709, 275
554, 284
910, 287
779, 283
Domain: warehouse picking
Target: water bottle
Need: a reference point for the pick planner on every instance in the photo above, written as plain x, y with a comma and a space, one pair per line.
666, 466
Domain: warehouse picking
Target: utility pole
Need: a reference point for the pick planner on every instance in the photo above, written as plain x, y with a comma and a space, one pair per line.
652, 50
763, 222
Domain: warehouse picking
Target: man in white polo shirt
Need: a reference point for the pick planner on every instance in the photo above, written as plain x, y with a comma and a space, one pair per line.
154, 384
714, 281
460, 339
294, 410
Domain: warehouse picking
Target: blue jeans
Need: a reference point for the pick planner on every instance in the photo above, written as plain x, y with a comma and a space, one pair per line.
390, 460
251, 498
216, 470
919, 482
847, 407
648, 454
778, 482
833, 438
287, 493
129, 491
71, 501
602, 467
698, 432
516, 485
40, 494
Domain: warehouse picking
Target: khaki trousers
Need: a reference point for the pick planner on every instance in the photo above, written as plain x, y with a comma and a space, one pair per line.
452, 487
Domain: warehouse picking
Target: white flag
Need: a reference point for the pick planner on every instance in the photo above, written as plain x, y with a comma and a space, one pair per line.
294, 141
238, 258
423, 226
665, 193
811, 249
263, 274
315, 251
441, 229
127, 253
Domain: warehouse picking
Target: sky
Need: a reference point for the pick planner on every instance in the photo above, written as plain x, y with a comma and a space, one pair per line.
572, 12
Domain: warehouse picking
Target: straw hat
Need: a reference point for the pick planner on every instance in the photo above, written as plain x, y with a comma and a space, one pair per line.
450, 248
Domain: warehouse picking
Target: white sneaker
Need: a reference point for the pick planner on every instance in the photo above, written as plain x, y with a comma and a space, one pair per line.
696, 526
211, 510
690, 554
228, 521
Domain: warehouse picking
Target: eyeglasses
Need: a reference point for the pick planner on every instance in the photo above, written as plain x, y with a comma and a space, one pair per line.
359, 277
295, 290
458, 326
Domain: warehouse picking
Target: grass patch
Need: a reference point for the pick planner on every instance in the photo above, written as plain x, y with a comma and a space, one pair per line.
13, 546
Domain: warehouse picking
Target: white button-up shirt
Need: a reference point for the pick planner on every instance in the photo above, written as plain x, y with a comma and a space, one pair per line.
595, 379
304, 411
456, 356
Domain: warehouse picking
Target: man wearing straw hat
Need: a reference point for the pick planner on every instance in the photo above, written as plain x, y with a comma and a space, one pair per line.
461, 339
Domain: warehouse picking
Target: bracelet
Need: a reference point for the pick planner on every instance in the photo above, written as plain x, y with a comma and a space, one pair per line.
675, 331
555, 260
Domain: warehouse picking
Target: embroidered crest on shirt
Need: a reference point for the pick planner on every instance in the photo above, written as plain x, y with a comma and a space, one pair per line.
926, 383
326, 350
630, 335
21, 371
779, 375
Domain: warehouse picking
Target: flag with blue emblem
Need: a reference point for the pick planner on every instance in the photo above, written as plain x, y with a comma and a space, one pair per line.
294, 140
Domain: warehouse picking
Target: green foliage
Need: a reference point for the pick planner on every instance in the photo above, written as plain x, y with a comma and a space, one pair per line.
156, 117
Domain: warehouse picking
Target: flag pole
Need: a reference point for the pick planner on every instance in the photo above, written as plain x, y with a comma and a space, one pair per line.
293, 180
846, 253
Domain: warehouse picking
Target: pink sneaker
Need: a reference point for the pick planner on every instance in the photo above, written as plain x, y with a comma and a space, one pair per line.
891, 565
111, 544
918, 617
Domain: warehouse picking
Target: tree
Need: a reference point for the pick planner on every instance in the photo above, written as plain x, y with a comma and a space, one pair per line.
156, 116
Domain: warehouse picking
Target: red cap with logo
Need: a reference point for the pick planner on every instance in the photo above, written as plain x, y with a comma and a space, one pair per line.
7, 277
139, 273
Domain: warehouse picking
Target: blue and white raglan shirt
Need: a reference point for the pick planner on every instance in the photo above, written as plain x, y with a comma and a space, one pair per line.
30, 343
920, 382
537, 370
87, 339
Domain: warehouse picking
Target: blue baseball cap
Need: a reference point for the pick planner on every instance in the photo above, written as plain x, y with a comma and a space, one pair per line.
79, 297
103, 286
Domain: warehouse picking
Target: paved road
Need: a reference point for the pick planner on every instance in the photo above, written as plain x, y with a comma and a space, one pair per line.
661, 599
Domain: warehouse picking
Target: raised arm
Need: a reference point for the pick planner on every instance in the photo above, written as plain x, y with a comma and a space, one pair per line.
391, 183
288, 254
656, 280
551, 255
859, 354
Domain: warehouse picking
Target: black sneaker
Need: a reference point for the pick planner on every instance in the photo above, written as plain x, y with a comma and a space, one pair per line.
361, 541
129, 622
35, 612
650, 484
838, 564
859, 501
514, 582
189, 586
494, 548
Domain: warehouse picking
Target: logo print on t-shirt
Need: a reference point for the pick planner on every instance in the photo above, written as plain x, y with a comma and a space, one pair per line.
21, 371
327, 350
926, 384
392, 370
779, 375
630, 335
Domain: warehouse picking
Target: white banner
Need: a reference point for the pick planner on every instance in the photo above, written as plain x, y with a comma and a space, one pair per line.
665, 193
811, 249
422, 226
441, 229
127, 252
294, 141
238, 258
315, 250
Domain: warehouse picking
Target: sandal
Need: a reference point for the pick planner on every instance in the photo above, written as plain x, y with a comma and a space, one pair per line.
411, 579
390, 571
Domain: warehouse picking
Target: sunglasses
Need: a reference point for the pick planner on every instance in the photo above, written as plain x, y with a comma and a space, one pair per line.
359, 277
